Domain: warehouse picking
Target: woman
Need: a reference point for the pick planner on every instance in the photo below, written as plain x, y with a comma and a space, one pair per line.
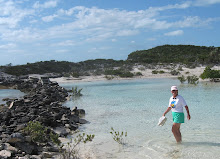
176, 104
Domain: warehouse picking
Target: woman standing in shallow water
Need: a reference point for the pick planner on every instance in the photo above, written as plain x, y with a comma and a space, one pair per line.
176, 104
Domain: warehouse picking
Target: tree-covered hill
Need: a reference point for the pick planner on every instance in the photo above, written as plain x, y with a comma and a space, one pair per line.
61, 67
184, 54
166, 54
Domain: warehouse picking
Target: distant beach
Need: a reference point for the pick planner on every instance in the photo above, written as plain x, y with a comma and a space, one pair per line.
146, 73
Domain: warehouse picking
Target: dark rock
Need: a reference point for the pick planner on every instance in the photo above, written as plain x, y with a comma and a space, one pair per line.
73, 126
74, 119
83, 121
29, 148
1, 129
20, 127
16, 137
10, 148
61, 131
43, 103
24, 119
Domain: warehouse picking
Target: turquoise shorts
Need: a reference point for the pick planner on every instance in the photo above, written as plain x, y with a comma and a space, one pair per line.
178, 117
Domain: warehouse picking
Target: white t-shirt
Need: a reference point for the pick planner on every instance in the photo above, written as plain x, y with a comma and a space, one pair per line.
177, 103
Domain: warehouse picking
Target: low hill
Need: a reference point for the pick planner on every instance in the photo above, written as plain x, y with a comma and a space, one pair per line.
166, 54
61, 67
184, 54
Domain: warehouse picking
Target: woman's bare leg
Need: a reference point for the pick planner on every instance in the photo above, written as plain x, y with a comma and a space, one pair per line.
176, 132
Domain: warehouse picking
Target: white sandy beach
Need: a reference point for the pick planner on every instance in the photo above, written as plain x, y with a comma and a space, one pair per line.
146, 73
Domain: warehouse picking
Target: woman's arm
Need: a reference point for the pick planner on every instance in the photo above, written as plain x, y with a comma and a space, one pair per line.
168, 109
188, 114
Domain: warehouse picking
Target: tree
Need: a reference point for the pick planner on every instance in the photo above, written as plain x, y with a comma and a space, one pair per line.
209, 73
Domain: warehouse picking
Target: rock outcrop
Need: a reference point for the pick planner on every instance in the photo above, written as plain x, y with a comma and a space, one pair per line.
42, 103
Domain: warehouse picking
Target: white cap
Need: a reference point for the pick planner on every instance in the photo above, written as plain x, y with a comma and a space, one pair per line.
174, 88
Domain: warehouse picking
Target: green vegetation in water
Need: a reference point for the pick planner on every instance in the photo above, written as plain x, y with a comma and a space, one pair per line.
182, 79
75, 92
191, 79
71, 149
117, 136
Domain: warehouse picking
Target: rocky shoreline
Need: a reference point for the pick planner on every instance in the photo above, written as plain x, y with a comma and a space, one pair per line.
42, 103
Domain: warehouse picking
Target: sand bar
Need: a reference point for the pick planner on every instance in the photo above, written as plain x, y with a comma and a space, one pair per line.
146, 73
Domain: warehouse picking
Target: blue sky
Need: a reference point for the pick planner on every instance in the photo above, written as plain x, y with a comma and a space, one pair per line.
78, 30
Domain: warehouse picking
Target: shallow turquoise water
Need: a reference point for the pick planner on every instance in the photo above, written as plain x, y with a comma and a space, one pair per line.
9, 93
136, 105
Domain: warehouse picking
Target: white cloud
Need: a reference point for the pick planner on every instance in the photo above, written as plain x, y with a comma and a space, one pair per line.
99, 37
127, 32
61, 51
11, 14
93, 24
151, 39
70, 11
8, 46
205, 2
33, 21
93, 50
49, 18
114, 40
67, 43
21, 35
47, 4
174, 33
168, 7
193, 22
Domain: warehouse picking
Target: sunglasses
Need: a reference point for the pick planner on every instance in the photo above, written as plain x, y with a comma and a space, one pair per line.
174, 90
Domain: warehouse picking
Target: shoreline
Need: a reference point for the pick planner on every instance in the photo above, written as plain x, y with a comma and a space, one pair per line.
146, 74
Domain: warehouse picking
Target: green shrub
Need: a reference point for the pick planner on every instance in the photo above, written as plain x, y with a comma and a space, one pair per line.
182, 79
209, 73
174, 72
193, 79
38, 133
119, 72
109, 77
161, 72
180, 68
142, 68
66, 75
138, 74
126, 75
154, 72
71, 150
55, 138
118, 136
75, 74
76, 92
